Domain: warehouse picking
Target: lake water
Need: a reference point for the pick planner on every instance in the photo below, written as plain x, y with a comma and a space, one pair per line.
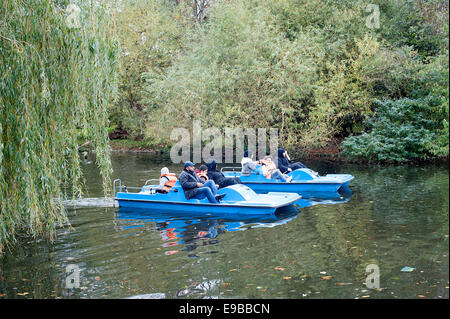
397, 217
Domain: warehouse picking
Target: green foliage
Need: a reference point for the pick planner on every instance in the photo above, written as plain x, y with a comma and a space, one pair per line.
56, 84
408, 128
151, 34
420, 24
242, 71
311, 68
401, 130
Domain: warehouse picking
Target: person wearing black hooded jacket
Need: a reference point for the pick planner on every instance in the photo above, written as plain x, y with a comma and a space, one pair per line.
284, 163
218, 177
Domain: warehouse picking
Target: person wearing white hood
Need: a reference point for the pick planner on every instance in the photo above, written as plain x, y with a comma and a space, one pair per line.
166, 181
248, 165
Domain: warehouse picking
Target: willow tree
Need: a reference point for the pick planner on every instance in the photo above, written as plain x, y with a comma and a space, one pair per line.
57, 76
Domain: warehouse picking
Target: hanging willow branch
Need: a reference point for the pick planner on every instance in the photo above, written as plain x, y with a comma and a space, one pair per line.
55, 81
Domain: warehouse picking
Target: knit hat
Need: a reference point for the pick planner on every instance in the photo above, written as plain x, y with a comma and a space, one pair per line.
187, 164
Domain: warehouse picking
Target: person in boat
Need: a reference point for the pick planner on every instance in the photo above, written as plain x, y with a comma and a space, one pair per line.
218, 177
248, 164
284, 162
194, 187
270, 170
166, 181
202, 173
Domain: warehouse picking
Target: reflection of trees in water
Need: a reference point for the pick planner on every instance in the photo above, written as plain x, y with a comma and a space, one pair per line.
33, 270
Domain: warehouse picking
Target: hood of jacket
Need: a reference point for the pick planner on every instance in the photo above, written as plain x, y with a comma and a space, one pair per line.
281, 152
211, 164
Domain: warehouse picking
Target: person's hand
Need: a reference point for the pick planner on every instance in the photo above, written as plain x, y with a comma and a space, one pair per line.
199, 185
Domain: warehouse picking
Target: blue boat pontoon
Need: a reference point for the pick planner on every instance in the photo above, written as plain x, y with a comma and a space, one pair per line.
304, 180
239, 199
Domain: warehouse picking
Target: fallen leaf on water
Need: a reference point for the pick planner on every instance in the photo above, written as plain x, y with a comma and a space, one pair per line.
22, 293
326, 278
365, 296
279, 268
24, 279
343, 283
97, 278
421, 296
234, 269
287, 277
225, 284
247, 266
1, 295
263, 290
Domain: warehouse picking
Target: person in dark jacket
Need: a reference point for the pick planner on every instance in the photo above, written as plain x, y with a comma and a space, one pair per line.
284, 162
218, 177
194, 187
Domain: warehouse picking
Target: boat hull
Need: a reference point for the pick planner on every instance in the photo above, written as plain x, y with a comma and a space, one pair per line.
304, 181
294, 187
195, 208
239, 200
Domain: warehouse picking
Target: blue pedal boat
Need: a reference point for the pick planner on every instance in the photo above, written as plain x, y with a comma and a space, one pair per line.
239, 199
304, 180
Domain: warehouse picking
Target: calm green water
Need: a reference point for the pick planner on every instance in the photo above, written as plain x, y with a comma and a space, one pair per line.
396, 217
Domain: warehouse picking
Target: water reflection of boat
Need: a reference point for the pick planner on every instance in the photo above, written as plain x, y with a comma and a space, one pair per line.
193, 231
326, 198
342, 196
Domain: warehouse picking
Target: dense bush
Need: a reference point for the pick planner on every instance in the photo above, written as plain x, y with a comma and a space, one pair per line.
400, 130
409, 128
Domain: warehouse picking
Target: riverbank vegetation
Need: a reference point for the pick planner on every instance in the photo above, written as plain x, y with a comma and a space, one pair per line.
317, 70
